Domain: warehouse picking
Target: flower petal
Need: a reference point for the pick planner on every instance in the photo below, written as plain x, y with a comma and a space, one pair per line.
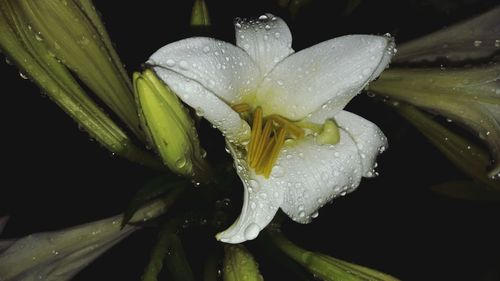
369, 139
266, 39
316, 174
206, 104
328, 74
222, 68
262, 198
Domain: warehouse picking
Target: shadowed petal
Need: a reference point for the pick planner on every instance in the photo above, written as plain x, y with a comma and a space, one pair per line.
369, 139
316, 174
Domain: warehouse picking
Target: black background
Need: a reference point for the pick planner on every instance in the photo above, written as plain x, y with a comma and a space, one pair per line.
54, 177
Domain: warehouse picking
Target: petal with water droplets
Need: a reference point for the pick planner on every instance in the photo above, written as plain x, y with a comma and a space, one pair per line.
262, 199
369, 139
223, 69
328, 74
266, 39
316, 174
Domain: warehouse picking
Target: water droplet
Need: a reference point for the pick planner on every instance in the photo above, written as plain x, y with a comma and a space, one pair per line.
302, 214
314, 215
254, 184
22, 75
183, 65
238, 25
263, 17
278, 171
267, 27
251, 231
170, 63
181, 162
206, 49
277, 35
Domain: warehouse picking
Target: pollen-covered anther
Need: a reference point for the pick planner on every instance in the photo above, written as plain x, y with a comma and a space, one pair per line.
266, 142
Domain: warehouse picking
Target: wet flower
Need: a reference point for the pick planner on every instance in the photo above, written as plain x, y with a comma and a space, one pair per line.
281, 113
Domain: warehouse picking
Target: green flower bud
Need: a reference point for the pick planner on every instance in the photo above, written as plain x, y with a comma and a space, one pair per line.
169, 127
34, 59
469, 97
325, 267
467, 156
71, 32
239, 264
199, 15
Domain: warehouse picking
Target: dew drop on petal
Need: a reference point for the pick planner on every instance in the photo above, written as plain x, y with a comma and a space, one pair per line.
170, 63
314, 215
252, 231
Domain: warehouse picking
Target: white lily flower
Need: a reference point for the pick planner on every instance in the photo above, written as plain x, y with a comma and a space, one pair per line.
281, 113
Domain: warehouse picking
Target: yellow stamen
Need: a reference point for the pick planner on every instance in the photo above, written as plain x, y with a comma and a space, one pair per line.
267, 137
273, 155
256, 131
295, 130
262, 143
241, 107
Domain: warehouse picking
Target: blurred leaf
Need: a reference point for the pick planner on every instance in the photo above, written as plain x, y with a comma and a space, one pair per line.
176, 260
39, 64
68, 33
325, 267
158, 254
168, 185
475, 38
467, 156
199, 14
467, 96
466, 190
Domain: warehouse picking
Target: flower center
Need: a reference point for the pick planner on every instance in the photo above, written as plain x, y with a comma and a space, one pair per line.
267, 137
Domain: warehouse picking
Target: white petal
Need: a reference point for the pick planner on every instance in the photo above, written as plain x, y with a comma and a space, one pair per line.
220, 67
262, 198
266, 39
328, 74
316, 174
368, 137
206, 104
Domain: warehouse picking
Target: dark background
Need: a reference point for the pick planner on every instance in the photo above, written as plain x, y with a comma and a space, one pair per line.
54, 177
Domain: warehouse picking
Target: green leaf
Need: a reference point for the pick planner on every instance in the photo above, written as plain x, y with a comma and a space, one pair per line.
33, 58
69, 34
325, 267
158, 254
176, 260
167, 185
467, 156
466, 190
